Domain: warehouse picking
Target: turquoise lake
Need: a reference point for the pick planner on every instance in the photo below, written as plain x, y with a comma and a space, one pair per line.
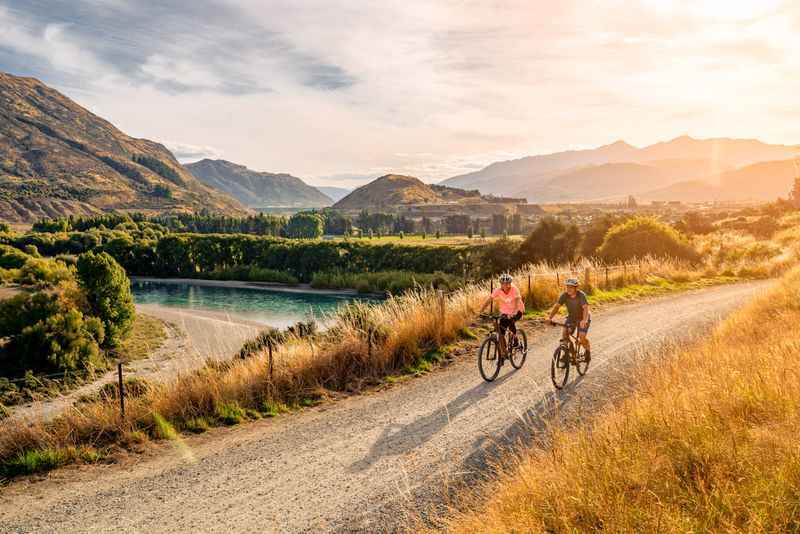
274, 308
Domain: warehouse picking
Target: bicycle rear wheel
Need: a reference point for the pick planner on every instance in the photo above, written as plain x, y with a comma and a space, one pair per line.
559, 367
582, 364
519, 352
489, 359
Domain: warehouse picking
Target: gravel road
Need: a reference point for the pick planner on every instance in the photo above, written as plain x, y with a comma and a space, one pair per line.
349, 465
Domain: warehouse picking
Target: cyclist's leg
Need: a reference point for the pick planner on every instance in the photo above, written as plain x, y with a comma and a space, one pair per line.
502, 326
582, 336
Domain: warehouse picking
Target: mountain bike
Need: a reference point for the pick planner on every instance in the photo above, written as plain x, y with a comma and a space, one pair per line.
496, 349
569, 352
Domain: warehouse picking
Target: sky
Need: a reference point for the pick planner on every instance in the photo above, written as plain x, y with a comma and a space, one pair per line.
339, 91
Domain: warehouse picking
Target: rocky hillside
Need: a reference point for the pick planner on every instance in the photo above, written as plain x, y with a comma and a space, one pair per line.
57, 158
258, 189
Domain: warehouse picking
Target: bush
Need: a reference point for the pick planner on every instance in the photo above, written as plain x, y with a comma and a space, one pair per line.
44, 334
44, 272
11, 258
304, 225
644, 236
108, 292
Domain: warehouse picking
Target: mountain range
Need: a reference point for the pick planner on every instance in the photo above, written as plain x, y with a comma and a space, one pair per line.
695, 167
258, 189
57, 158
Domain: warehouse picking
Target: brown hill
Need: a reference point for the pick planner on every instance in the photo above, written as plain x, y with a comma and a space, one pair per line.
394, 190
764, 181
258, 189
388, 192
57, 158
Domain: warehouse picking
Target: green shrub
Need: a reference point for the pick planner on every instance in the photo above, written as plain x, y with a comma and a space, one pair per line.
644, 236
229, 413
12, 258
44, 272
108, 292
43, 334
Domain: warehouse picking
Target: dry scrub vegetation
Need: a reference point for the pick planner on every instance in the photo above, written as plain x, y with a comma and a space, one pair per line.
365, 344
708, 443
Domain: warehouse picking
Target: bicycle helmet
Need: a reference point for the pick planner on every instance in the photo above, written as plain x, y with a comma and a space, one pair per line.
572, 282
506, 278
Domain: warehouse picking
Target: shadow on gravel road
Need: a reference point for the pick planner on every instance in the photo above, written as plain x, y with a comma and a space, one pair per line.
399, 439
487, 450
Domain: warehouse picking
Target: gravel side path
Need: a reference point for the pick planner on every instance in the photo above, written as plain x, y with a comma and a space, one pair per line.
349, 465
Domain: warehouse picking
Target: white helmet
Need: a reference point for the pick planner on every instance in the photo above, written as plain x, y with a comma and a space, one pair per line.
506, 278
572, 282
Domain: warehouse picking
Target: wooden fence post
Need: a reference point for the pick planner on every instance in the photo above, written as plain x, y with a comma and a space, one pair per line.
587, 280
558, 281
441, 314
529, 287
606, 276
491, 291
624, 273
121, 391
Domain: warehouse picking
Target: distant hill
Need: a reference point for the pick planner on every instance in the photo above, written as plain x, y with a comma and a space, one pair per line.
615, 180
393, 190
763, 181
535, 176
388, 192
335, 193
258, 189
57, 158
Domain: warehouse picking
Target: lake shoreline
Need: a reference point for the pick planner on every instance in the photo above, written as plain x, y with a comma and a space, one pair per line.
263, 286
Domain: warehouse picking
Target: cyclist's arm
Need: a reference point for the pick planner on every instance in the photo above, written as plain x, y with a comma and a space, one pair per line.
485, 303
520, 304
585, 317
554, 310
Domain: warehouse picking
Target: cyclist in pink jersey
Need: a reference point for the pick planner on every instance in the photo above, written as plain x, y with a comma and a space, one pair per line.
510, 303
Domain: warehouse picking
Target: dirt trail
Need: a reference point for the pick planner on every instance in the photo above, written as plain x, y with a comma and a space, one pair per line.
349, 465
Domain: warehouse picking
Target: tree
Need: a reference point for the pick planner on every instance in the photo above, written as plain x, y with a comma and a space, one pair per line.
456, 224
595, 233
304, 225
516, 224
499, 224
108, 293
551, 241
644, 236
794, 195
632, 202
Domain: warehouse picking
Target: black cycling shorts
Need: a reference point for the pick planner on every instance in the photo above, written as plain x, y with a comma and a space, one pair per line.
507, 322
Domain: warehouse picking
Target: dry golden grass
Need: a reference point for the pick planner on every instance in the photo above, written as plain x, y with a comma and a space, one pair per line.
708, 443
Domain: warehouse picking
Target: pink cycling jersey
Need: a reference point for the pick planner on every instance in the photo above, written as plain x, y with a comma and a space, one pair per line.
508, 301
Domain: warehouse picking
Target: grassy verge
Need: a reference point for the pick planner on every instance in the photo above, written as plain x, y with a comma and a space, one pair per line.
366, 343
146, 336
707, 443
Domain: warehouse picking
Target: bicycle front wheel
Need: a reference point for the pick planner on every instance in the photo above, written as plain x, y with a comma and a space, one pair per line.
489, 359
559, 367
519, 352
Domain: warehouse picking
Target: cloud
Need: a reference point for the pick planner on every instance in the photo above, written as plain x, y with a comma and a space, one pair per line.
198, 46
322, 88
186, 153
